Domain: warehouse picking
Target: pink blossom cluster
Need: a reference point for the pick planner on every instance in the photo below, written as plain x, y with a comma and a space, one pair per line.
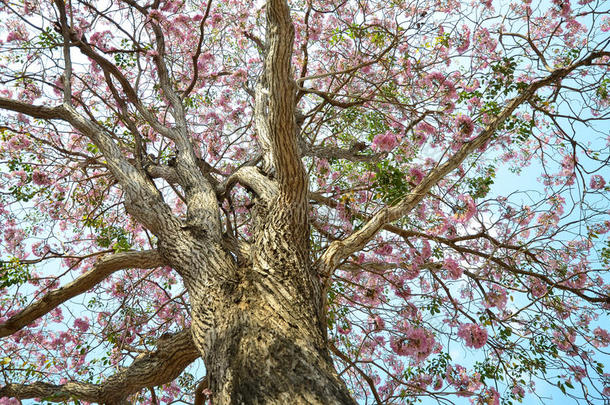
564, 7
464, 39
597, 182
465, 213
496, 297
537, 287
474, 335
82, 324
376, 323
605, 27
18, 32
41, 178
416, 174
445, 86
384, 142
601, 337
564, 339
454, 270
464, 125
491, 396
485, 42
465, 384
415, 342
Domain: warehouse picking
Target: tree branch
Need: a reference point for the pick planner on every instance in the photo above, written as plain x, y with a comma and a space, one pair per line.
202, 205
333, 152
341, 249
101, 270
67, 85
142, 198
127, 88
191, 86
34, 111
251, 177
365, 376
291, 174
172, 356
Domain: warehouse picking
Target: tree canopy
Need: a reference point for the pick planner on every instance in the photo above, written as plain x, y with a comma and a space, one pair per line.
413, 188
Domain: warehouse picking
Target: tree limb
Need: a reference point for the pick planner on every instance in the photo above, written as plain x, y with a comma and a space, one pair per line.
102, 269
142, 198
341, 249
333, 152
251, 177
172, 356
67, 85
35, 111
365, 376
127, 88
202, 206
291, 174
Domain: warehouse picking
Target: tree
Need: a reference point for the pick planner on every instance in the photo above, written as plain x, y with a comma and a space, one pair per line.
273, 186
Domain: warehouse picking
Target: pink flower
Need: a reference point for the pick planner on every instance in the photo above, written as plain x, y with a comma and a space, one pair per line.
81, 324
453, 269
384, 250
425, 128
385, 142
416, 342
19, 34
602, 337
597, 182
496, 297
578, 372
155, 15
605, 27
376, 323
564, 340
56, 315
464, 39
518, 391
416, 174
537, 287
474, 335
40, 178
564, 7
18, 142
493, 397
216, 18
463, 214
14, 237
465, 126
344, 331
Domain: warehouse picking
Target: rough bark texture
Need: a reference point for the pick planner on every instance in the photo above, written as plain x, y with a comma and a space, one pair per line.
259, 325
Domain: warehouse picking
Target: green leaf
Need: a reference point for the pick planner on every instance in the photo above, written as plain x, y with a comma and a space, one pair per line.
13, 272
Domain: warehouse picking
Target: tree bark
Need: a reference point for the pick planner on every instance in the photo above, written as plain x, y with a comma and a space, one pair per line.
259, 326
256, 354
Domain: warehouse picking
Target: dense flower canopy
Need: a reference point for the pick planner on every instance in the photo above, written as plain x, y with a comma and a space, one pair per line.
457, 154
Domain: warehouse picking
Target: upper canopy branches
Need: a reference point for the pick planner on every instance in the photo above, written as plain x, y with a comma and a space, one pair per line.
277, 103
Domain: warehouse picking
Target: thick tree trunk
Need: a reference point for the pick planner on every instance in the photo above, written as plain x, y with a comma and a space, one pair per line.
258, 355
259, 325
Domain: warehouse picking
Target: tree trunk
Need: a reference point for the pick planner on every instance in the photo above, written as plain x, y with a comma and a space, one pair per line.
259, 325
259, 355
